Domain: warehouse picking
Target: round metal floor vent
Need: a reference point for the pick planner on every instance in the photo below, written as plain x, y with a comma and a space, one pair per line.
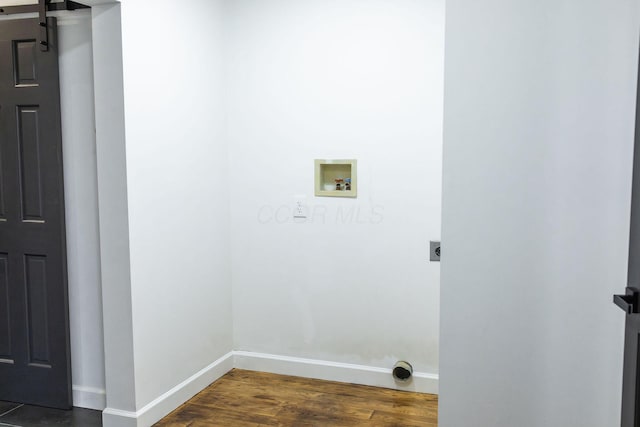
402, 371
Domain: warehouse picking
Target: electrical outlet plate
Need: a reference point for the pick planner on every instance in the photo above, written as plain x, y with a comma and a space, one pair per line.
434, 252
300, 208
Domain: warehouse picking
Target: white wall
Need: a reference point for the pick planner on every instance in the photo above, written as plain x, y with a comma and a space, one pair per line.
113, 210
539, 116
340, 79
81, 199
178, 207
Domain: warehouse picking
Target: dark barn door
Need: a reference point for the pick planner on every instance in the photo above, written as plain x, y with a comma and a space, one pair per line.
630, 301
34, 321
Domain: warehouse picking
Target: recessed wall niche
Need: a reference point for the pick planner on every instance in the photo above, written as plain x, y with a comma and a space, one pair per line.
336, 178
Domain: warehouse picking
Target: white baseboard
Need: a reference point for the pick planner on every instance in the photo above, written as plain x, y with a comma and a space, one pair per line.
163, 405
342, 372
117, 418
284, 365
89, 397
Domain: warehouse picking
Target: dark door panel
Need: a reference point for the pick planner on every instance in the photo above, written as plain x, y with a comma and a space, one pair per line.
34, 325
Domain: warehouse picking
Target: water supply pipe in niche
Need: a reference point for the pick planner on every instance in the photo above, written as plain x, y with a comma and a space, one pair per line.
402, 371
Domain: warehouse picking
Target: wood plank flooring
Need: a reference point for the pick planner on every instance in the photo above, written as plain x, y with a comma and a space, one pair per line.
246, 398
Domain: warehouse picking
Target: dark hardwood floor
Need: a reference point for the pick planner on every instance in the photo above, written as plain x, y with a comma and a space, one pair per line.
246, 398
